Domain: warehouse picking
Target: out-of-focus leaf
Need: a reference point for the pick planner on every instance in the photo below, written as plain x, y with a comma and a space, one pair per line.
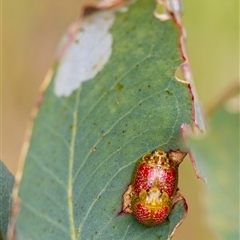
218, 153
84, 147
6, 185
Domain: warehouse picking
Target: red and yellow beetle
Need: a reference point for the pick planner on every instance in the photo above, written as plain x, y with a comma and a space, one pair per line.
154, 183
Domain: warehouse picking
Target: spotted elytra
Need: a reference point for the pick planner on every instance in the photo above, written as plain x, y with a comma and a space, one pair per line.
154, 183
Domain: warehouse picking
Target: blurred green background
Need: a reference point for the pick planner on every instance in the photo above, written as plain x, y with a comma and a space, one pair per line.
31, 32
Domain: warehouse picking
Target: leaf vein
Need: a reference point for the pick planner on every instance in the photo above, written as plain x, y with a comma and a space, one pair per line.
56, 133
101, 192
46, 170
103, 162
70, 170
44, 216
113, 86
109, 130
126, 232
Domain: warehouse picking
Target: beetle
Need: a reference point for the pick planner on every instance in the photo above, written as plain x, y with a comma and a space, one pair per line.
154, 184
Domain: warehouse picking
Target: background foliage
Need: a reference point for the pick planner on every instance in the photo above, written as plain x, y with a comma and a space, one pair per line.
220, 170
6, 181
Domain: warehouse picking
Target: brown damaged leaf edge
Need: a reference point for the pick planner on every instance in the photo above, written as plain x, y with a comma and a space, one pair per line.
175, 15
231, 90
16, 201
198, 123
185, 66
197, 126
85, 10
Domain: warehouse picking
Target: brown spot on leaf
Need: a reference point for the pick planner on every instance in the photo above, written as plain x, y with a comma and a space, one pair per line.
119, 86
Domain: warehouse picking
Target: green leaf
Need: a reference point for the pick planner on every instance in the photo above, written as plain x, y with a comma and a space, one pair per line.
84, 147
218, 153
6, 185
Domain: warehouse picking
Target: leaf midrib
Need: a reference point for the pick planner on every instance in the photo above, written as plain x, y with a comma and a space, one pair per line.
70, 169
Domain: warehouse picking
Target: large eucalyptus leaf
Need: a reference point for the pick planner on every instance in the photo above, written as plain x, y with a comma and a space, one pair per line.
6, 185
85, 142
218, 153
